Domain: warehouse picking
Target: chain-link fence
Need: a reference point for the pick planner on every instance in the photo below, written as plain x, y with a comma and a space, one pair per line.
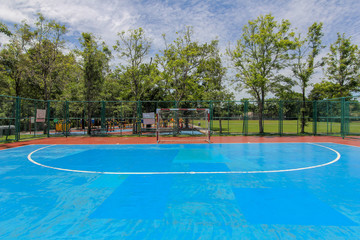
23, 118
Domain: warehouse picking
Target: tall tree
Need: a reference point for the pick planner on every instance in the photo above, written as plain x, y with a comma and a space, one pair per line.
95, 64
305, 63
185, 67
14, 58
343, 65
260, 53
133, 48
137, 69
46, 51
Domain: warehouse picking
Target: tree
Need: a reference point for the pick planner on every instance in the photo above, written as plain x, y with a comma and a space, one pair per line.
45, 52
262, 51
188, 68
137, 71
133, 47
14, 58
305, 63
71, 76
4, 29
343, 66
327, 90
211, 73
95, 64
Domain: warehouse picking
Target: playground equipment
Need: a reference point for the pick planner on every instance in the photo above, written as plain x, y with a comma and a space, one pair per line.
62, 126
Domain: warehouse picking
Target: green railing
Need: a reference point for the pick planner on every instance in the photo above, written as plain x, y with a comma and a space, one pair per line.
24, 118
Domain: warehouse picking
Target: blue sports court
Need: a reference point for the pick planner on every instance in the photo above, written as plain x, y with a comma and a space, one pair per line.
180, 191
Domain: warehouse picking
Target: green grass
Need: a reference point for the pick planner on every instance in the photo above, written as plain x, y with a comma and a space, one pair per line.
289, 127
10, 138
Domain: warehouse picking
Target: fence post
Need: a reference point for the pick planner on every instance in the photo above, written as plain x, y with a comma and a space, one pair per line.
245, 124
342, 131
211, 114
103, 107
35, 117
228, 117
48, 118
67, 121
138, 120
347, 118
17, 119
314, 118
281, 117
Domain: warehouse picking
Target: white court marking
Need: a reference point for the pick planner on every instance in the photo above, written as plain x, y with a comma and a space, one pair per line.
192, 172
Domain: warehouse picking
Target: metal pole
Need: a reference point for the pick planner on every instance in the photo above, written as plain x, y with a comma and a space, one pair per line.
281, 118
103, 119
17, 119
246, 127
48, 118
342, 131
315, 118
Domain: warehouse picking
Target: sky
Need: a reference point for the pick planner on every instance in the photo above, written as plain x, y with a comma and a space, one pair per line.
222, 20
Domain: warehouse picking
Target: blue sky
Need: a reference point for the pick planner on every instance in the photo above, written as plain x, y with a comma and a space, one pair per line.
211, 19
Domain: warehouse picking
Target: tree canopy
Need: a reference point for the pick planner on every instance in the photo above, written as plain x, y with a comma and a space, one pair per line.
269, 59
261, 52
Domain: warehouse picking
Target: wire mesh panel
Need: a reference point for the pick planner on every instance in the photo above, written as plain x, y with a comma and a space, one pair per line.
58, 124
76, 118
94, 118
7, 118
32, 118
22, 118
183, 124
291, 116
297, 117
271, 117
220, 116
253, 117
114, 117
353, 120
235, 117
328, 117
148, 113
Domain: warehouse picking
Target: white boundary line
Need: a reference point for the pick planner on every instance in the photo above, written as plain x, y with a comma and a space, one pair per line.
167, 173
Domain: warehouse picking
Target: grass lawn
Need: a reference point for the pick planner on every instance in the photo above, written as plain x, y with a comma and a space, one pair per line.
289, 127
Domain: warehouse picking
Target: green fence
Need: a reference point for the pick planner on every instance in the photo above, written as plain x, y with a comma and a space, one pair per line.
23, 118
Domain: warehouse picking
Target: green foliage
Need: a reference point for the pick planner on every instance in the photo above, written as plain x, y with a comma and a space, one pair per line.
45, 54
306, 52
188, 69
136, 76
343, 66
15, 61
328, 90
262, 51
35, 64
72, 76
94, 64
4, 29
305, 63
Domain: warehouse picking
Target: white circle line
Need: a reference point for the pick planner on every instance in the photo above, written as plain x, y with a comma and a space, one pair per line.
191, 172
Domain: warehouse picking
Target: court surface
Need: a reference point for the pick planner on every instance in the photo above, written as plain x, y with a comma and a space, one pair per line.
180, 191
